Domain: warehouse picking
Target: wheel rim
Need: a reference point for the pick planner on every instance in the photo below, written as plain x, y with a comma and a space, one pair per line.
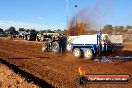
43, 49
42, 39
69, 47
54, 47
76, 53
28, 38
88, 53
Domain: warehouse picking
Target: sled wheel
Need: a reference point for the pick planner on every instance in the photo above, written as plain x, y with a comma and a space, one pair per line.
88, 53
77, 52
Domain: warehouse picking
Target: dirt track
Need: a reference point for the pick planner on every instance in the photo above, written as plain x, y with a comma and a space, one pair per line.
60, 70
9, 79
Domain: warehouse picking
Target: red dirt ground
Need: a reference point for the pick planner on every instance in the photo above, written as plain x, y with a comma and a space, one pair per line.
9, 79
61, 70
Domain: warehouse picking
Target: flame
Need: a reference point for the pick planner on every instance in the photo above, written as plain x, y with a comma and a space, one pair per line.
82, 72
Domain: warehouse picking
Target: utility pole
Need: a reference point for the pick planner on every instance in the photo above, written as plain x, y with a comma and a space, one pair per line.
67, 11
76, 22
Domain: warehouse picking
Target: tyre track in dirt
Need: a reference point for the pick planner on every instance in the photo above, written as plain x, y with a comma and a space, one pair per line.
58, 70
29, 77
17, 52
21, 49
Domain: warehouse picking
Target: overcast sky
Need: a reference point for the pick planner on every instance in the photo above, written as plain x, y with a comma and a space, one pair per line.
52, 14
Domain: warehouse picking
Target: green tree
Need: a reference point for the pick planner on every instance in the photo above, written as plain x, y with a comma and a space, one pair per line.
107, 29
50, 31
27, 30
33, 30
43, 31
21, 29
59, 30
1, 31
12, 30
119, 29
129, 27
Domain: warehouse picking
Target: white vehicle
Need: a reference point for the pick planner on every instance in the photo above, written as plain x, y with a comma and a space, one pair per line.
89, 45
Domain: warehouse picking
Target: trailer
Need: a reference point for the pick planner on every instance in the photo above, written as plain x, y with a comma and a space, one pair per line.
88, 46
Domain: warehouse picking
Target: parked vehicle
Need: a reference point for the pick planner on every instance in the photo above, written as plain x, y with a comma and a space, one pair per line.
41, 37
30, 36
2, 34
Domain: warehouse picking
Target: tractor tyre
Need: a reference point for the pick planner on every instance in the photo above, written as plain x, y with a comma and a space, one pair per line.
45, 46
69, 47
25, 37
28, 38
55, 47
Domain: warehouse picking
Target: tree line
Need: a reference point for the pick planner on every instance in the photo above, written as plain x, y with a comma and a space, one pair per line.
109, 29
12, 30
